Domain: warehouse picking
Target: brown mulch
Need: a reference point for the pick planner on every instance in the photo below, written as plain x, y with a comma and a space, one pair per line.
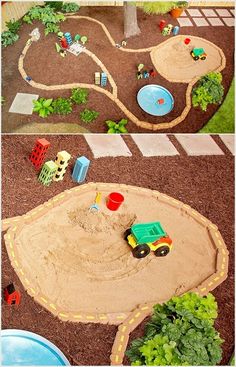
206, 183
44, 65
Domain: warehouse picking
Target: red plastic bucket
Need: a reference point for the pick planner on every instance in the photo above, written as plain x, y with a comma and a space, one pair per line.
114, 200
187, 41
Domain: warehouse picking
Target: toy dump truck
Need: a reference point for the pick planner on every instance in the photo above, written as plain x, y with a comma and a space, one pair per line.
147, 237
198, 53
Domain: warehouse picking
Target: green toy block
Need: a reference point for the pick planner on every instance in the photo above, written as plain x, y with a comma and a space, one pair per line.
77, 37
58, 48
140, 67
47, 172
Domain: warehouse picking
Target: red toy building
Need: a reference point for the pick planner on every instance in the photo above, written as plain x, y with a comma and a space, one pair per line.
64, 43
38, 153
11, 296
162, 25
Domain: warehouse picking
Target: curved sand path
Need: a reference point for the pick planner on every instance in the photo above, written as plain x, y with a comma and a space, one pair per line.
214, 65
93, 275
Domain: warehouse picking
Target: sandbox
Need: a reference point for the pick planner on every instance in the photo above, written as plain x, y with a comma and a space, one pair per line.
77, 264
173, 61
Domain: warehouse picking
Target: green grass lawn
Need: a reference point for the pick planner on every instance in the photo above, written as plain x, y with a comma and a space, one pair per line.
223, 120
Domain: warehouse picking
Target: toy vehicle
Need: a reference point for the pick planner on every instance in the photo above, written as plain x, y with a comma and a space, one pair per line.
147, 237
198, 53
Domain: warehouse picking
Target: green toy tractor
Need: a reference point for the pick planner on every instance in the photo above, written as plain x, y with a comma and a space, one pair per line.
147, 237
198, 53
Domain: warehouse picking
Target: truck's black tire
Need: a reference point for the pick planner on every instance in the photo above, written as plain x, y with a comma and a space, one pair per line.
141, 251
162, 251
127, 233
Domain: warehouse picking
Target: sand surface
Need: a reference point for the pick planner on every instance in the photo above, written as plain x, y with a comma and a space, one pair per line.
79, 260
173, 61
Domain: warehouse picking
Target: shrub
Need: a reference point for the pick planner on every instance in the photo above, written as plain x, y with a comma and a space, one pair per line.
43, 107
70, 7
13, 26
88, 115
180, 332
117, 127
51, 28
157, 7
56, 5
209, 90
47, 16
79, 95
8, 38
62, 106
27, 19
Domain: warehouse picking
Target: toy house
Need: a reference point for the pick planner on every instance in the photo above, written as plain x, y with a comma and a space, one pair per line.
47, 172
62, 162
97, 78
38, 153
103, 79
80, 169
11, 296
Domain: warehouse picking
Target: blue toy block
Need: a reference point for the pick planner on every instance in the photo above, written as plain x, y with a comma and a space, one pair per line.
103, 79
80, 169
68, 38
175, 30
146, 74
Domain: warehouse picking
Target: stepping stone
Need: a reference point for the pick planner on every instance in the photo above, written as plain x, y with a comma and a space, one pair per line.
215, 22
23, 103
196, 145
107, 146
232, 11
185, 22
194, 13
154, 145
200, 22
229, 21
223, 12
184, 14
209, 13
228, 140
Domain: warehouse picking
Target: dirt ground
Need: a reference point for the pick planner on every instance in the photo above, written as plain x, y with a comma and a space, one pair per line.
50, 68
206, 183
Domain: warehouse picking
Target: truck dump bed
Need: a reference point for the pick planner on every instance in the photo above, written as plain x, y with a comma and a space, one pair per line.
148, 232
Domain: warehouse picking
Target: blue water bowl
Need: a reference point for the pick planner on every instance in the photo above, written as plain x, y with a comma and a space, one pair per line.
22, 348
155, 100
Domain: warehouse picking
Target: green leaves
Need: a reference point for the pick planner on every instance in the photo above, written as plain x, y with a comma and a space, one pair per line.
116, 127
51, 28
70, 7
88, 115
8, 38
43, 107
13, 26
79, 95
180, 332
62, 106
209, 90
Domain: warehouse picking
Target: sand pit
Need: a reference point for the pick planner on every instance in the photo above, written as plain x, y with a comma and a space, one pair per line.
173, 61
76, 263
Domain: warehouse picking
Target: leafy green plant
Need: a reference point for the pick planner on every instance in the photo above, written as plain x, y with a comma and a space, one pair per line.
70, 7
180, 5
180, 332
35, 12
13, 25
209, 90
116, 127
157, 7
51, 28
2, 100
43, 107
88, 115
8, 38
27, 19
62, 106
56, 5
79, 95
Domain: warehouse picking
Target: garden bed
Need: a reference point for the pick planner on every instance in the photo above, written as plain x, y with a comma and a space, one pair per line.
51, 69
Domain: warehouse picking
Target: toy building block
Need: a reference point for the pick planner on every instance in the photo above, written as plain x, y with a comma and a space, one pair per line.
175, 30
64, 43
11, 296
80, 169
58, 47
97, 78
84, 39
68, 38
62, 162
167, 30
139, 75
146, 74
161, 101
103, 79
153, 73
162, 24
77, 38
63, 53
60, 35
39, 151
124, 43
140, 67
47, 172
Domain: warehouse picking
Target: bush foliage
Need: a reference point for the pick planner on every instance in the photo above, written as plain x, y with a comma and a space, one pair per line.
180, 332
70, 7
117, 127
88, 115
79, 95
62, 106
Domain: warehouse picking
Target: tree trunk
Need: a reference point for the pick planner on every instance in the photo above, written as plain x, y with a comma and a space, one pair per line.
131, 27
